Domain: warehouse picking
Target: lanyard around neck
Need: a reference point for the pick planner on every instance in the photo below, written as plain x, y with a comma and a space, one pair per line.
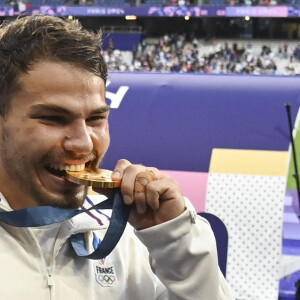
45, 215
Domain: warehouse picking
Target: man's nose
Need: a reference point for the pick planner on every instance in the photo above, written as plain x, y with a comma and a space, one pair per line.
78, 139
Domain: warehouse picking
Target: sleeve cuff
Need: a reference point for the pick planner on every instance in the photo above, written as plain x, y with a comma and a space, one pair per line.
169, 231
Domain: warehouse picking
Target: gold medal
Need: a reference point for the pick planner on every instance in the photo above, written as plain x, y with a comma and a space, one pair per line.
98, 178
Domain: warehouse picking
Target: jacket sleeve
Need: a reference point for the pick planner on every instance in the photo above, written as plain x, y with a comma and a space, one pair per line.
184, 257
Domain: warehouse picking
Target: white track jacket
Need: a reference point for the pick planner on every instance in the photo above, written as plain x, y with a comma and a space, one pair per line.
173, 260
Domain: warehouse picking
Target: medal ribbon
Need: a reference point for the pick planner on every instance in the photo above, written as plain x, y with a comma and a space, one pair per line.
45, 215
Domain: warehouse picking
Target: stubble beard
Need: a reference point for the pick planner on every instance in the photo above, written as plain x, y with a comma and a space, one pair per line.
12, 161
73, 198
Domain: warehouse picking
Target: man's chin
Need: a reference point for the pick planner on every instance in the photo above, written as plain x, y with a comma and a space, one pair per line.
67, 201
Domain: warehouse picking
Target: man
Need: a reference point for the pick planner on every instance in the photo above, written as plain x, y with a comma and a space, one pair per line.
54, 118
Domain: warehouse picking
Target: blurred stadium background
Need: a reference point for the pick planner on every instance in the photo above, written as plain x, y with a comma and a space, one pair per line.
207, 36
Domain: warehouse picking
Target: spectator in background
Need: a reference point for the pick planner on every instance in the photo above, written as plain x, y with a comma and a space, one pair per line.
296, 52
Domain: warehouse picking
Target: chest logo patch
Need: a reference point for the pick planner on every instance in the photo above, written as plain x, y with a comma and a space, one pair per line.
105, 273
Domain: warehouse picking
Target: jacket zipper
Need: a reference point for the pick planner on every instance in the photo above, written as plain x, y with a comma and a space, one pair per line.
49, 276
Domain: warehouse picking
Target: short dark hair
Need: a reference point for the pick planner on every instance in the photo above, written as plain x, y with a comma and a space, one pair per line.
30, 39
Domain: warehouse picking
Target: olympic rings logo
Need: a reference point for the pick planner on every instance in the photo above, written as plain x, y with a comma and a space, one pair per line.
106, 280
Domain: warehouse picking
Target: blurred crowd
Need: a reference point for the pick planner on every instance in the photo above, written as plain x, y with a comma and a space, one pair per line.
175, 53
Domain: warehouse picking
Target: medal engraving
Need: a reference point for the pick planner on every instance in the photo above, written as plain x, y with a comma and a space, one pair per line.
95, 177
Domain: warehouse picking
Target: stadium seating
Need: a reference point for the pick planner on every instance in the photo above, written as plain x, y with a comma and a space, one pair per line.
250, 56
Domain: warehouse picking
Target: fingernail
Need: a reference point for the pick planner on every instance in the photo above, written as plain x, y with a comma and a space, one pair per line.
127, 199
116, 175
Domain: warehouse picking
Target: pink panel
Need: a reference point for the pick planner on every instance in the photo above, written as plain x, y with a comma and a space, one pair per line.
193, 186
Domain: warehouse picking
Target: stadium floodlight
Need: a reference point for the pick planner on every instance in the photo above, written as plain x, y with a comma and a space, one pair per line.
130, 17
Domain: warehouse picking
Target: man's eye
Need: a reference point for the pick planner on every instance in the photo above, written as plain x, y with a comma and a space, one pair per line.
97, 118
53, 119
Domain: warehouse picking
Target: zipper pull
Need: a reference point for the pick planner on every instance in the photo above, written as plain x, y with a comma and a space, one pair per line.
49, 276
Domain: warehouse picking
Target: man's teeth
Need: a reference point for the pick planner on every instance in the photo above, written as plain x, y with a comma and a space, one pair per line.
72, 168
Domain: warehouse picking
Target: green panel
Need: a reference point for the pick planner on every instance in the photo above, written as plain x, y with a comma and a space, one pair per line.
291, 184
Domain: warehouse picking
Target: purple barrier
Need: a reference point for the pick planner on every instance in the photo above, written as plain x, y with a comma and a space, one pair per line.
173, 121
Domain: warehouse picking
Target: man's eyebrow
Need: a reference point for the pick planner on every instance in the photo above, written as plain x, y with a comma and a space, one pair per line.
40, 108
102, 109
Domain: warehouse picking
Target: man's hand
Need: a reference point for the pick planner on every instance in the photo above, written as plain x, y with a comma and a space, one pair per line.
156, 196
